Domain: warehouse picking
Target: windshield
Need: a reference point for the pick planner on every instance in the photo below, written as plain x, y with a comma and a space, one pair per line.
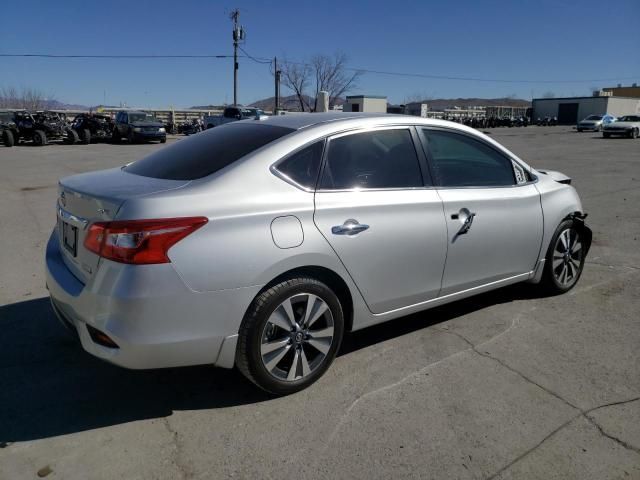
207, 152
142, 117
629, 118
250, 112
594, 117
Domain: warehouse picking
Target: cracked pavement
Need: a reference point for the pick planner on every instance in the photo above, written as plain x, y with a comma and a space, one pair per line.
505, 385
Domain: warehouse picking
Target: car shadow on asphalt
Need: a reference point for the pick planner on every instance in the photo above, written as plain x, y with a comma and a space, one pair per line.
51, 387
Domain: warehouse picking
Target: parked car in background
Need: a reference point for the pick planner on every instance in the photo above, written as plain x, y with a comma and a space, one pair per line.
8, 128
92, 127
595, 122
232, 114
626, 126
137, 126
260, 243
43, 127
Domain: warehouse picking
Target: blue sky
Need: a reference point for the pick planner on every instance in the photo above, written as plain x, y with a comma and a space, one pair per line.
489, 39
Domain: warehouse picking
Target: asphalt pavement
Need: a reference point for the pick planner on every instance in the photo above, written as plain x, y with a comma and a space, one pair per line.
507, 384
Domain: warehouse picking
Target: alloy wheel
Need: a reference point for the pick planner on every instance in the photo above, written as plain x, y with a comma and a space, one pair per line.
567, 257
297, 337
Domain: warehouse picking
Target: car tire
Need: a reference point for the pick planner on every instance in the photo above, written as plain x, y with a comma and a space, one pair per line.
163, 140
8, 139
39, 138
86, 136
580, 130
634, 133
72, 137
115, 136
565, 258
130, 137
281, 355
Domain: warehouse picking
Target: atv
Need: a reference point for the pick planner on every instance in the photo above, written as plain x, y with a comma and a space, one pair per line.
8, 129
42, 127
92, 127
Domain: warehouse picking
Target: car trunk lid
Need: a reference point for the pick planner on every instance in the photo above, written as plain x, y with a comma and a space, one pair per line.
96, 197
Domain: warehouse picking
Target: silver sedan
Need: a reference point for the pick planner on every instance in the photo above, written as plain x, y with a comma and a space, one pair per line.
258, 244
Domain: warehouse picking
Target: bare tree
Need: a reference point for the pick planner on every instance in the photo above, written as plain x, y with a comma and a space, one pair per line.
29, 98
322, 72
295, 77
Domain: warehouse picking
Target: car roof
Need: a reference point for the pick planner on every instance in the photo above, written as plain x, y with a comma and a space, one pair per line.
298, 121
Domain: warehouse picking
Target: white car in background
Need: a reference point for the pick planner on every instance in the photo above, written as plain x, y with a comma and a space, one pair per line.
595, 122
626, 126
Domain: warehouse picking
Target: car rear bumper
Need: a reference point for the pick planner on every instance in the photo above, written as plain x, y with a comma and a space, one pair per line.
154, 319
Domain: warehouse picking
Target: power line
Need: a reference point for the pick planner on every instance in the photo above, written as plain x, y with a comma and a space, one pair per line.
266, 61
262, 61
450, 77
47, 55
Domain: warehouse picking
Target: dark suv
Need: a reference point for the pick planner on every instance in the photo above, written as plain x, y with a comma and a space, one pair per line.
136, 126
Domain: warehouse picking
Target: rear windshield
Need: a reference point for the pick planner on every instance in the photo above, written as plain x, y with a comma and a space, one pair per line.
206, 153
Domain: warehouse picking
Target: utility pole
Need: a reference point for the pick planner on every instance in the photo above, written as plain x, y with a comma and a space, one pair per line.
238, 36
277, 79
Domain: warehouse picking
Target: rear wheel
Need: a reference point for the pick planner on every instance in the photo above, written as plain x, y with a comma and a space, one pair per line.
39, 138
565, 259
8, 139
86, 136
290, 335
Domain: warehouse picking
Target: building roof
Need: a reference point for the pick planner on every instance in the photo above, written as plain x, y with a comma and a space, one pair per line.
582, 98
356, 97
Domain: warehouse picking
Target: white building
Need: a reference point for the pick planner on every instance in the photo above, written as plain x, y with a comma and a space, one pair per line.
573, 109
365, 103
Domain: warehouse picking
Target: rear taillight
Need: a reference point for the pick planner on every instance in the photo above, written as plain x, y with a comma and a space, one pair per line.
139, 241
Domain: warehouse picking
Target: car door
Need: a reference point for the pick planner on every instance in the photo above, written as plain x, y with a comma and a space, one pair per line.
376, 207
492, 209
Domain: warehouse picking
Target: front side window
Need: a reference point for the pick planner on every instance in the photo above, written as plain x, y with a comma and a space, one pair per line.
375, 159
461, 161
303, 166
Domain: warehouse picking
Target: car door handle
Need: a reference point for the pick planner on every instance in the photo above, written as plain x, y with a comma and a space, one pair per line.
349, 227
466, 225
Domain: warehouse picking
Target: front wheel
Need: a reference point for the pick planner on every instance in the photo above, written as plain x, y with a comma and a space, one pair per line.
9, 140
86, 136
565, 258
634, 133
72, 137
290, 335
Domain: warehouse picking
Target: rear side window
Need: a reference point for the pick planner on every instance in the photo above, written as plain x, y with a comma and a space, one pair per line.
461, 161
303, 166
377, 159
206, 153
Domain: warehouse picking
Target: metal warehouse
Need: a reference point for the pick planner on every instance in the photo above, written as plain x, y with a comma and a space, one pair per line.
572, 109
